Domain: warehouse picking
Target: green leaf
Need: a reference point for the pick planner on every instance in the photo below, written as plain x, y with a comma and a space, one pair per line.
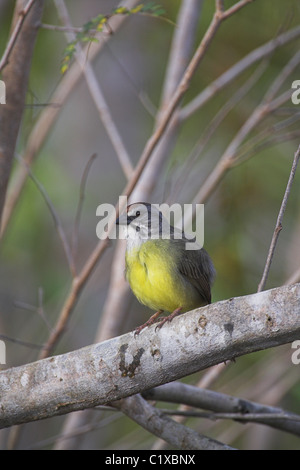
98, 22
64, 68
148, 6
158, 12
120, 10
137, 8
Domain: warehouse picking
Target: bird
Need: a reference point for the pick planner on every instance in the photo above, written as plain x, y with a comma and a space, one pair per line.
162, 273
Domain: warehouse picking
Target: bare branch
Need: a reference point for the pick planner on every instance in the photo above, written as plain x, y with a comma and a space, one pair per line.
256, 145
56, 219
217, 120
264, 418
21, 342
39, 309
160, 425
15, 76
12, 40
232, 73
220, 6
126, 365
225, 406
98, 96
235, 8
278, 226
67, 29
280, 79
229, 157
182, 45
80, 203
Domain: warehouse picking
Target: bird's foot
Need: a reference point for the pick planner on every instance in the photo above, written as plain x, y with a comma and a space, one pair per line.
149, 322
169, 318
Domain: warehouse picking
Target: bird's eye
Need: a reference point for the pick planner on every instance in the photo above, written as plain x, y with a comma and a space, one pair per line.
137, 229
138, 214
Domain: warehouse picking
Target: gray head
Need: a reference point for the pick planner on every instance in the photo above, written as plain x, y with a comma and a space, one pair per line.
143, 221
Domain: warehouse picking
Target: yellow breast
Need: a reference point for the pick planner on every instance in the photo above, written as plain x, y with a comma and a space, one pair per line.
153, 277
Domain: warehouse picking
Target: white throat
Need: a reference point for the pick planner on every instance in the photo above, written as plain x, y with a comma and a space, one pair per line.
134, 238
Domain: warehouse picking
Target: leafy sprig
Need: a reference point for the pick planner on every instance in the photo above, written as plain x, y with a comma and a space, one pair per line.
100, 22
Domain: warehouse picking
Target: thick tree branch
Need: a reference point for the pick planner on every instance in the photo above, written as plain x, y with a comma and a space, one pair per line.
126, 365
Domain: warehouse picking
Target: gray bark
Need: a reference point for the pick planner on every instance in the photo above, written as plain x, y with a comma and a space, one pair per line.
126, 365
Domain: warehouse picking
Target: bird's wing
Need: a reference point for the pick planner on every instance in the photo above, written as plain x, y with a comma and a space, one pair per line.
197, 267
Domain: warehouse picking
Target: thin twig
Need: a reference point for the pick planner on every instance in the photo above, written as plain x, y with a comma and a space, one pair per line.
235, 8
56, 219
284, 74
98, 96
220, 6
266, 136
223, 406
236, 70
36, 309
278, 226
40, 309
68, 29
268, 142
74, 241
21, 342
15, 33
216, 121
181, 49
141, 94
157, 423
228, 159
267, 418
79, 430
